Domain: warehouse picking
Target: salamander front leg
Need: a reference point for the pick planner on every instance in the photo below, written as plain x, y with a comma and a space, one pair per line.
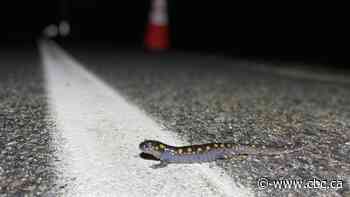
162, 164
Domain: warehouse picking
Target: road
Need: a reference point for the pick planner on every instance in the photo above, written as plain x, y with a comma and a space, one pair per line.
73, 118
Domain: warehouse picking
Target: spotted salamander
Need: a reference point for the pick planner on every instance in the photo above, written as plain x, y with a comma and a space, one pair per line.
203, 152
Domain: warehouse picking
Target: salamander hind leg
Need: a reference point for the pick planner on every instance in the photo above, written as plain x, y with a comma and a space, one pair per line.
162, 164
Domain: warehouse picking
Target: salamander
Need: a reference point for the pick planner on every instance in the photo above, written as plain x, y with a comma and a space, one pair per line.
203, 152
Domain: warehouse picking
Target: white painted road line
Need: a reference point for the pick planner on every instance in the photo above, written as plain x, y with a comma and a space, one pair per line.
97, 136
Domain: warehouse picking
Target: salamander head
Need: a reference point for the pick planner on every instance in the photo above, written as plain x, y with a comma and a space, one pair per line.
153, 147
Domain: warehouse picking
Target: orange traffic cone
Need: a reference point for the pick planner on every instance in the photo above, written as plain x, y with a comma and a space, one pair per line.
157, 33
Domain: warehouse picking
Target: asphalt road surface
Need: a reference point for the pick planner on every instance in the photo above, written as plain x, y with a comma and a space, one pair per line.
71, 120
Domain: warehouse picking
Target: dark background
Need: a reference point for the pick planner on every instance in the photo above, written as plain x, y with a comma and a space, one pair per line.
291, 31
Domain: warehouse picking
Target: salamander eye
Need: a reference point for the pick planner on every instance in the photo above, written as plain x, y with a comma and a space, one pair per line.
146, 145
143, 146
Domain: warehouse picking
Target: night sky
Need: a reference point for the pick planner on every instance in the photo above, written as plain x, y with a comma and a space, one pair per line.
291, 31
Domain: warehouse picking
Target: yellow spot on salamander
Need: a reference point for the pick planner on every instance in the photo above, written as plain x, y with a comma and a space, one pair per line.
222, 145
208, 147
216, 145
180, 151
161, 146
189, 150
228, 145
156, 148
199, 149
